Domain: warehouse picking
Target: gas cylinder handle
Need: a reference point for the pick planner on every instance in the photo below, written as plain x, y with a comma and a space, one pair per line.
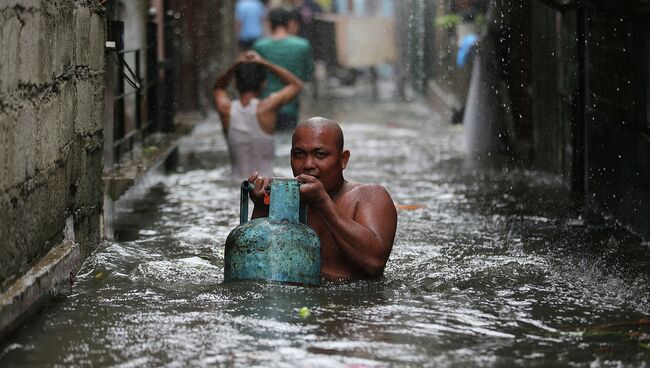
302, 213
246, 186
302, 210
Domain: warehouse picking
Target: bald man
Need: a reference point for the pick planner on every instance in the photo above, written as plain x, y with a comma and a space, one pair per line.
356, 222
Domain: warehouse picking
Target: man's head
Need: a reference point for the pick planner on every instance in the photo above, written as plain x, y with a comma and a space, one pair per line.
317, 149
250, 77
295, 21
279, 17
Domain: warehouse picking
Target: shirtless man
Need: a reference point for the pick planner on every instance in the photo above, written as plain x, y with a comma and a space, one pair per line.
356, 223
249, 122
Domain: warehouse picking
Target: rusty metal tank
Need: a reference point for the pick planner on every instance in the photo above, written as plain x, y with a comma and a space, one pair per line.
280, 248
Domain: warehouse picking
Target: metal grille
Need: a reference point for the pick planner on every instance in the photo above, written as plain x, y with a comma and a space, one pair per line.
135, 108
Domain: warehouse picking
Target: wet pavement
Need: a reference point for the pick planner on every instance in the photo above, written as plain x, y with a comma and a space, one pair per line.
493, 265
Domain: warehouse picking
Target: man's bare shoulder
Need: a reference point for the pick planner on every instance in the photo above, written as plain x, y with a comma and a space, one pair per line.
368, 193
373, 207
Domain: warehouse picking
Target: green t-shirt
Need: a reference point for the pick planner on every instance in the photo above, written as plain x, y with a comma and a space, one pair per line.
292, 53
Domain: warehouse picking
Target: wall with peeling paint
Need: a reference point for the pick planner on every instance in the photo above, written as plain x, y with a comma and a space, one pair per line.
51, 127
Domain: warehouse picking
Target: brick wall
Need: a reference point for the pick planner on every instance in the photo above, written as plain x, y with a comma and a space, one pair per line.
51, 127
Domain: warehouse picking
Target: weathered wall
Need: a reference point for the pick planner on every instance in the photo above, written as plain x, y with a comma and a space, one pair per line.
617, 111
51, 103
591, 102
555, 87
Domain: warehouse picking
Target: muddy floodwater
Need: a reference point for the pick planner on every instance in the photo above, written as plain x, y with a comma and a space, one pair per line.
493, 265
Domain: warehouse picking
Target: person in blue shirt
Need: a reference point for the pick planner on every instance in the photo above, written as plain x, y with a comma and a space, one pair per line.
249, 17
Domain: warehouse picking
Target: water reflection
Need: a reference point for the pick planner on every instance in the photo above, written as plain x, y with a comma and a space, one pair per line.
493, 265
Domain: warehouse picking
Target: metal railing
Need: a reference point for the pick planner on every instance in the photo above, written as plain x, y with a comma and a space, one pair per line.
144, 94
136, 112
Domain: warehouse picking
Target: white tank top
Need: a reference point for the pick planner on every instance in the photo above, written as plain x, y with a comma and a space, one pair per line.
250, 148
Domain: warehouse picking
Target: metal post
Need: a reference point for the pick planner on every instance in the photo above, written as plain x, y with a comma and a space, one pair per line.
167, 88
138, 97
152, 79
109, 108
580, 175
118, 106
243, 201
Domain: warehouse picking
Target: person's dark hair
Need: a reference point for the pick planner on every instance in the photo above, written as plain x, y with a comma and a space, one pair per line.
295, 15
249, 77
279, 17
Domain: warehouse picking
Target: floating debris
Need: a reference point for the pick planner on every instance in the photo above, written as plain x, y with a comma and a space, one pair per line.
409, 207
304, 312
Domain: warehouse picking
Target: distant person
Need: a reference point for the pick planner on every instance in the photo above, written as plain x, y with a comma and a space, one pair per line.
355, 222
305, 10
295, 22
467, 49
249, 18
248, 122
289, 51
468, 40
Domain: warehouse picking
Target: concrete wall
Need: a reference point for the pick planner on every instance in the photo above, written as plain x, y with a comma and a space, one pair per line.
51, 128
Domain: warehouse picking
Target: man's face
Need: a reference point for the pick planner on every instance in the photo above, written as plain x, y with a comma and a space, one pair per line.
314, 152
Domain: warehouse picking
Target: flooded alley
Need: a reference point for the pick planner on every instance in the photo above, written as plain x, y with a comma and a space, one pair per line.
512, 136
493, 265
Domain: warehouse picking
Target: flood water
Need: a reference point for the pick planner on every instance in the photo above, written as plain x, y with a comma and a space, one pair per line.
493, 265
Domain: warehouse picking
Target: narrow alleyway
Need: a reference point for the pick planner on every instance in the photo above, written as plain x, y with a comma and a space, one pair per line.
492, 265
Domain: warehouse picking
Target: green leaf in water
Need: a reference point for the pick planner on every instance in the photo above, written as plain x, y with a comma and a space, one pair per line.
150, 149
304, 312
644, 345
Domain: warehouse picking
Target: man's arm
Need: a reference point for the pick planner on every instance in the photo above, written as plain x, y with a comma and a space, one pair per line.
268, 108
366, 239
221, 96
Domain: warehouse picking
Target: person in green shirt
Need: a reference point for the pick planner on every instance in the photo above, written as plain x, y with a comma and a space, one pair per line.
290, 52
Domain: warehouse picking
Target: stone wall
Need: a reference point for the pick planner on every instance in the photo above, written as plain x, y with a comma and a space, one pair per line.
51, 128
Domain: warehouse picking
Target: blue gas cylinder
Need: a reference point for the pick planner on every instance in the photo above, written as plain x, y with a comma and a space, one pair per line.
279, 248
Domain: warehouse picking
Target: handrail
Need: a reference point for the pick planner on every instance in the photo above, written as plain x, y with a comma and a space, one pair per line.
136, 95
141, 91
125, 138
246, 186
